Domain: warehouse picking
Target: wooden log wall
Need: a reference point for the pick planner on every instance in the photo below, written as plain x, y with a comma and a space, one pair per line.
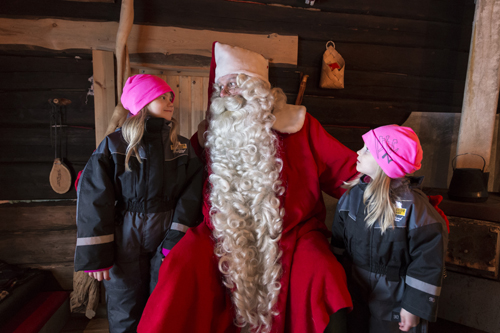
29, 80
41, 236
401, 56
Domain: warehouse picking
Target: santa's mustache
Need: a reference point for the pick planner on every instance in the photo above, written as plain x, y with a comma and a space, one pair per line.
229, 103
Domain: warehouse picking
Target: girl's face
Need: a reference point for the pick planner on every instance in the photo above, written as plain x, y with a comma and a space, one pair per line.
162, 106
366, 163
228, 85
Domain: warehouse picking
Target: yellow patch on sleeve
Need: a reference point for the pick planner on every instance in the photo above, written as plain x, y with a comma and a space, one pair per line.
401, 211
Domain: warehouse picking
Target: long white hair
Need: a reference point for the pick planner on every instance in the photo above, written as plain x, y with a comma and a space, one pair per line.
245, 190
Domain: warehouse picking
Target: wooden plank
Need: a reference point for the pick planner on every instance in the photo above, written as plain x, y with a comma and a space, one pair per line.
477, 125
331, 111
19, 145
38, 247
163, 69
173, 82
348, 136
199, 88
185, 106
371, 85
63, 272
12, 81
349, 26
22, 63
20, 100
442, 11
30, 181
107, 1
21, 117
187, 13
434, 63
59, 34
104, 91
15, 219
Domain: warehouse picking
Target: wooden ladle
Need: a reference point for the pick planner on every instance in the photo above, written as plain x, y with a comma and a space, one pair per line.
60, 176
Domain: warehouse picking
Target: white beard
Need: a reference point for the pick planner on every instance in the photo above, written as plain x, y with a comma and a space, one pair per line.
246, 213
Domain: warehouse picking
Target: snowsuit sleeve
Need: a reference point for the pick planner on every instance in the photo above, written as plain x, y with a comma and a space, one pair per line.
336, 163
95, 213
338, 226
427, 239
187, 211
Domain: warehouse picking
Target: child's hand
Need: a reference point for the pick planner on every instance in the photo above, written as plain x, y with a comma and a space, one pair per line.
408, 320
99, 276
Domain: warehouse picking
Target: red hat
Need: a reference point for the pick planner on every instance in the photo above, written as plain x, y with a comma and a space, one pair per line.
227, 59
141, 89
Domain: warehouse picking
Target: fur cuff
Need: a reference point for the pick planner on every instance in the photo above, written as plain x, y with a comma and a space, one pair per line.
290, 118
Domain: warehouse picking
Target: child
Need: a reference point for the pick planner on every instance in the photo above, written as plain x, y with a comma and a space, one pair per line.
137, 196
394, 240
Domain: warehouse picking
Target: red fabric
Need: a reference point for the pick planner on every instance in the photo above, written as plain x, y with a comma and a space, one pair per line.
190, 296
435, 200
78, 179
35, 314
333, 66
100, 270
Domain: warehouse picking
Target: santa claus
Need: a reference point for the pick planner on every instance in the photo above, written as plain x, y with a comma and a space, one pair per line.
260, 260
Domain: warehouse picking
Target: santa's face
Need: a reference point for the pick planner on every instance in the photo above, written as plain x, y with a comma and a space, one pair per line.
228, 86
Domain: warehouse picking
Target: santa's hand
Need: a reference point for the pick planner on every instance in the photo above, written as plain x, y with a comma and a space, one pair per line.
99, 276
408, 320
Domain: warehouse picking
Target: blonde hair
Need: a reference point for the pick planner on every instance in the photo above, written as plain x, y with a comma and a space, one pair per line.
380, 199
246, 213
133, 131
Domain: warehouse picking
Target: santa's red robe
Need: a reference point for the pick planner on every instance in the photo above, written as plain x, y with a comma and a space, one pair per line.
190, 295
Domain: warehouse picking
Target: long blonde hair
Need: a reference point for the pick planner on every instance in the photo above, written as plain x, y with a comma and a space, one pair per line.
133, 131
246, 213
380, 199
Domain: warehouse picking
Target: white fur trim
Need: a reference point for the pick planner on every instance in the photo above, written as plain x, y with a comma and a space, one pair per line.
235, 60
290, 118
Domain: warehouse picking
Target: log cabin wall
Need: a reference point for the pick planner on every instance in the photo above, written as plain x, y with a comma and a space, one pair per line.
401, 57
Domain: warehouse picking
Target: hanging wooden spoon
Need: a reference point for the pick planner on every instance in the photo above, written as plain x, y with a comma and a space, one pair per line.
60, 176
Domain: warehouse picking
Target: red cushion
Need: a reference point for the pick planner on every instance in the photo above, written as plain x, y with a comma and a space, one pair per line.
35, 314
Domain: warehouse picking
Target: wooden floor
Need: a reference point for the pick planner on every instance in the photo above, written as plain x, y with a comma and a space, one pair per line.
80, 324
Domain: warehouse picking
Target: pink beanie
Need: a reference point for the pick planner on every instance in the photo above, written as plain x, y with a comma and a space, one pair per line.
395, 148
142, 89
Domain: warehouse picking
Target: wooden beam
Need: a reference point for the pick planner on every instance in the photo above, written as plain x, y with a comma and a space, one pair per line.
104, 91
57, 34
482, 86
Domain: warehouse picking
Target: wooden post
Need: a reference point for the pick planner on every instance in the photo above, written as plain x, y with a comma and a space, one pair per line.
477, 125
104, 91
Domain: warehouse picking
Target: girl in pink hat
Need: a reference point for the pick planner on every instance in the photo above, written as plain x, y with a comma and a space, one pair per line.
392, 239
137, 196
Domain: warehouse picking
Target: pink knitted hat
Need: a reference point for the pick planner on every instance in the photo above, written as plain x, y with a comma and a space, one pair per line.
395, 148
142, 89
